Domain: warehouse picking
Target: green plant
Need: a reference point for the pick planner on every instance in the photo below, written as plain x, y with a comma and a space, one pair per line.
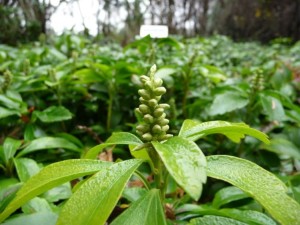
101, 183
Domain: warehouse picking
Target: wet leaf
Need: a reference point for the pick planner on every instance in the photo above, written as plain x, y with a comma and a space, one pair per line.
262, 185
185, 162
147, 210
94, 201
215, 220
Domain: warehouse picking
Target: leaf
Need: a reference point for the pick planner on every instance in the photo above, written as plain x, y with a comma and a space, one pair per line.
165, 74
93, 202
227, 195
8, 189
26, 168
272, 107
193, 130
213, 73
10, 147
36, 205
4, 112
215, 220
147, 210
50, 177
118, 138
185, 162
283, 147
227, 102
48, 143
60, 192
54, 114
134, 193
45, 218
262, 185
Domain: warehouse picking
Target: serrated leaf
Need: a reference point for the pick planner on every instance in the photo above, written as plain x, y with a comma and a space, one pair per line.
48, 143
93, 202
194, 130
147, 210
54, 114
185, 162
227, 102
262, 185
118, 138
50, 177
227, 195
283, 147
215, 220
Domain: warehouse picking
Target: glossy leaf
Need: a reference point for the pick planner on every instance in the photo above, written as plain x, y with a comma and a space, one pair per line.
48, 143
185, 162
227, 195
52, 176
227, 102
54, 114
194, 130
215, 220
26, 168
147, 210
93, 202
283, 147
10, 147
45, 218
262, 185
119, 138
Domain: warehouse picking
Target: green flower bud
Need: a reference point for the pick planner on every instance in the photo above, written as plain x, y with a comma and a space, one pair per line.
142, 100
144, 128
147, 137
158, 112
164, 106
144, 93
138, 111
148, 118
165, 128
157, 129
144, 78
152, 103
163, 122
144, 109
153, 69
148, 85
160, 91
158, 82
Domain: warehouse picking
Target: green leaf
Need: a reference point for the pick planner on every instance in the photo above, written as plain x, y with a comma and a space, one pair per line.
118, 138
213, 73
50, 177
8, 189
193, 130
48, 143
36, 205
45, 218
227, 195
227, 102
26, 168
272, 107
93, 202
215, 220
10, 147
134, 193
54, 114
283, 147
262, 185
147, 210
185, 162
4, 112
60, 192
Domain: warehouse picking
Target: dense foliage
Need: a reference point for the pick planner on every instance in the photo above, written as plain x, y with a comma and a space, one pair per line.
59, 100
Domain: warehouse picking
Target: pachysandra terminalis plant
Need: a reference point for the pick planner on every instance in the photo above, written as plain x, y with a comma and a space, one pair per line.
102, 183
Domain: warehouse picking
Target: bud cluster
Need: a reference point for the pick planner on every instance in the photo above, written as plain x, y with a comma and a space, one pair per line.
155, 125
257, 82
7, 81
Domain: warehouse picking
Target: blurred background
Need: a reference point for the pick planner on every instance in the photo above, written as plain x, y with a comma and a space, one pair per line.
120, 20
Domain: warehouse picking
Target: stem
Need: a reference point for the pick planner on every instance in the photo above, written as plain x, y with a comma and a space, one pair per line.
143, 179
109, 110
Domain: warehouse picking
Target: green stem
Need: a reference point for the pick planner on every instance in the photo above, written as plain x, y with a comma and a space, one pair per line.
143, 179
109, 108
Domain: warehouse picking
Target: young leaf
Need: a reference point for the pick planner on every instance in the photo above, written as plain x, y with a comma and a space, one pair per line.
193, 130
215, 220
47, 143
93, 202
185, 162
119, 138
147, 210
52, 176
262, 185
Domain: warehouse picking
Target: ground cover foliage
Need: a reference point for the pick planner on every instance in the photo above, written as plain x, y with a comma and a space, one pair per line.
64, 104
